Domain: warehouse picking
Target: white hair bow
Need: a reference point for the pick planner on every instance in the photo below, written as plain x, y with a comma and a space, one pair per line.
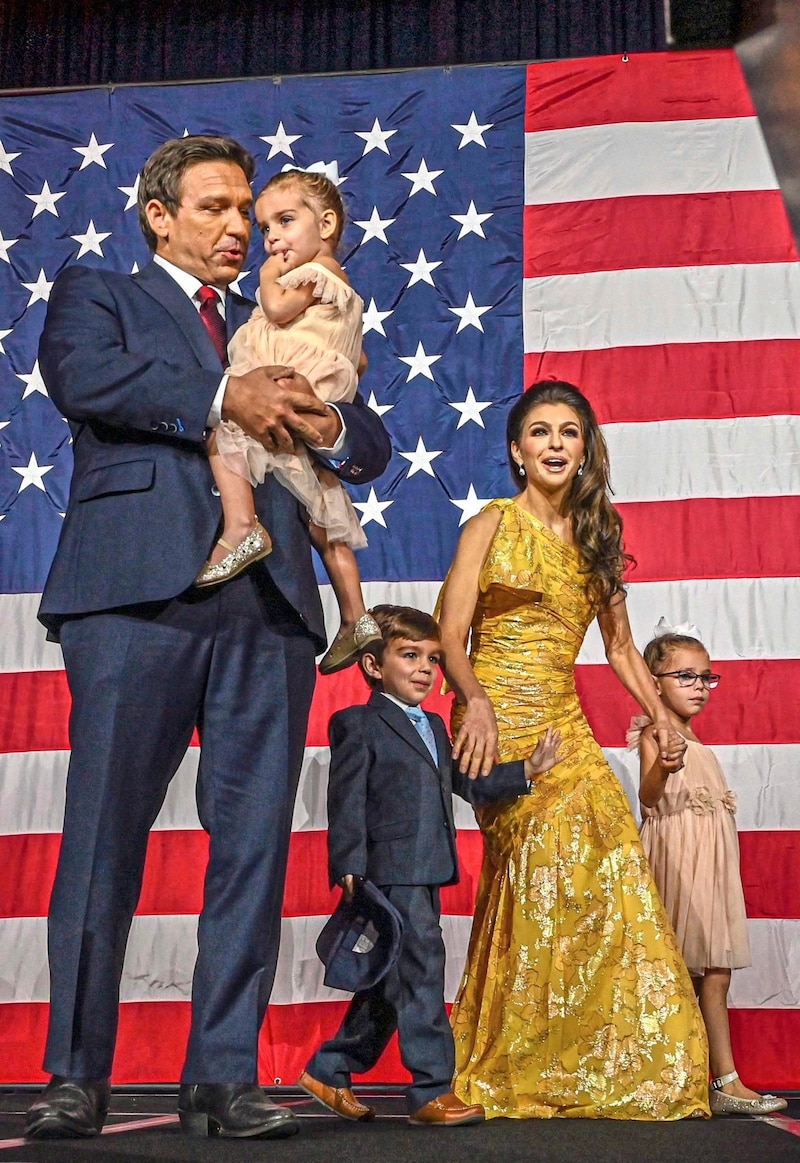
329, 169
688, 628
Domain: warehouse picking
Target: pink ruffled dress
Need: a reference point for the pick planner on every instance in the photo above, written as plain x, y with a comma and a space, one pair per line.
323, 343
692, 844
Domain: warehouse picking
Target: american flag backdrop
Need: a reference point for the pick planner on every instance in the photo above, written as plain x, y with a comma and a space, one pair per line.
611, 221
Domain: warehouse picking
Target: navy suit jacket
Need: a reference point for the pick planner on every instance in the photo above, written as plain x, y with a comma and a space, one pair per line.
390, 808
128, 361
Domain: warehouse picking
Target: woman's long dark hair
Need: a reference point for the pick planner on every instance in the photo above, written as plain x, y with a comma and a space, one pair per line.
596, 524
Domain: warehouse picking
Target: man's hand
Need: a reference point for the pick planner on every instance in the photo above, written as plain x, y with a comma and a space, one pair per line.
328, 423
276, 407
348, 883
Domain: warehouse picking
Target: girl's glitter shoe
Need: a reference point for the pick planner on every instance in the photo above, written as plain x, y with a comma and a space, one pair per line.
729, 1104
348, 644
257, 544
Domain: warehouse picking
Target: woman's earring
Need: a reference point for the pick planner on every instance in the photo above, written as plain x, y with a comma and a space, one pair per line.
521, 470
580, 468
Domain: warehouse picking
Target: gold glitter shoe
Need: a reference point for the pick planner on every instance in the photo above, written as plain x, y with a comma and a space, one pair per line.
729, 1104
257, 544
348, 644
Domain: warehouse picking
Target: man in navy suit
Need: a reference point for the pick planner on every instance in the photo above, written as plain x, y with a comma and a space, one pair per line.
129, 362
390, 819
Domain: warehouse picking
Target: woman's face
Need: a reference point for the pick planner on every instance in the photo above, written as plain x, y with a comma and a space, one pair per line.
550, 447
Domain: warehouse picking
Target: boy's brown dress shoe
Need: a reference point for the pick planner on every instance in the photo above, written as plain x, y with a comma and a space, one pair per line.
340, 1100
447, 1111
69, 1108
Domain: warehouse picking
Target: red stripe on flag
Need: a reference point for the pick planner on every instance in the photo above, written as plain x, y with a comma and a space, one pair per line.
754, 703
665, 230
176, 861
348, 689
644, 87
29, 866
679, 381
34, 711
175, 868
755, 709
770, 864
710, 538
765, 1045
152, 1041
292, 1033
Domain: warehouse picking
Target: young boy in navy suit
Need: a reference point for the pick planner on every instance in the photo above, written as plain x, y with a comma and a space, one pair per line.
390, 819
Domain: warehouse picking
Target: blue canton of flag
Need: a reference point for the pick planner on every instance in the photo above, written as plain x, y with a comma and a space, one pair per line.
430, 165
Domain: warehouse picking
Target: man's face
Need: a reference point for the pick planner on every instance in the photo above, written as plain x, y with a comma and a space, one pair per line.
208, 234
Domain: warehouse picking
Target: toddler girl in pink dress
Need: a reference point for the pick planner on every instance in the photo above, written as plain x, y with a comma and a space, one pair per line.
308, 318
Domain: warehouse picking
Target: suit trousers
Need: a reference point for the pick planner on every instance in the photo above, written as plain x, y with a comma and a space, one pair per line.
236, 661
410, 999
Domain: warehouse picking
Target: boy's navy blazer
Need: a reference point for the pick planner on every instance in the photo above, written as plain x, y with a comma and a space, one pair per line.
128, 361
390, 809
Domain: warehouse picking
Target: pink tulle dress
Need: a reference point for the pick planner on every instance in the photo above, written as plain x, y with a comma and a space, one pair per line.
323, 343
692, 844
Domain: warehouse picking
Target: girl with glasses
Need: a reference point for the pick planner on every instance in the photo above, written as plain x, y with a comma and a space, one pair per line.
689, 835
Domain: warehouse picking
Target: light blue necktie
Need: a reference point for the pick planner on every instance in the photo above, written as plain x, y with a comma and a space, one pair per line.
422, 723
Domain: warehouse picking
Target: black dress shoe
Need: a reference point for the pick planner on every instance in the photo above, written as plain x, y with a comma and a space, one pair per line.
69, 1108
235, 1110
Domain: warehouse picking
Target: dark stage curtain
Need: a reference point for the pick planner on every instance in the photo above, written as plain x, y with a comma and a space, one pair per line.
45, 43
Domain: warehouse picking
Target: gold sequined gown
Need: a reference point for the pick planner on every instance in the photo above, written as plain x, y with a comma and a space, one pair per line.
575, 1000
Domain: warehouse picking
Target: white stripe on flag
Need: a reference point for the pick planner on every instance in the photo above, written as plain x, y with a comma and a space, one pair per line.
640, 308
23, 645
773, 980
635, 158
162, 949
742, 618
670, 460
32, 789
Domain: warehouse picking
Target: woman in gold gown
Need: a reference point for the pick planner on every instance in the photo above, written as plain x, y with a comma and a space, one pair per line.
575, 1000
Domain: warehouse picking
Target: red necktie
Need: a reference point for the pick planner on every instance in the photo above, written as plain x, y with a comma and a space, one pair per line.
214, 323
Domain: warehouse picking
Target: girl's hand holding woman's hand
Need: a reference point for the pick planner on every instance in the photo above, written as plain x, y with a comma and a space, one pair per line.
475, 745
671, 747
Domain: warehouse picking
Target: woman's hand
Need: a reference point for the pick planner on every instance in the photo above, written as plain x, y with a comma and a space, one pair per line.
475, 745
671, 746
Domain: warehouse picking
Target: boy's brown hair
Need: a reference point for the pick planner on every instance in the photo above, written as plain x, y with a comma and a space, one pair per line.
399, 622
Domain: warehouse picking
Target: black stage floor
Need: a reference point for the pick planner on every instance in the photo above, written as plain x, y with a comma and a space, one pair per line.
145, 1129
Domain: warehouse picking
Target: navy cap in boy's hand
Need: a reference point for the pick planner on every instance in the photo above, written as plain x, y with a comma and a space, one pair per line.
360, 942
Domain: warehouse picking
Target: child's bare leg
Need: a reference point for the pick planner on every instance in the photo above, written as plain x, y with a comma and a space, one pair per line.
342, 568
238, 503
712, 994
358, 628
